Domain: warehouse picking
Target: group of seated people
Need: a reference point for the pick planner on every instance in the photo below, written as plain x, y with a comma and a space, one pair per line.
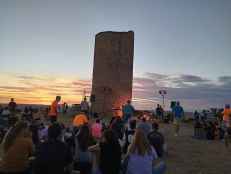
210, 130
41, 147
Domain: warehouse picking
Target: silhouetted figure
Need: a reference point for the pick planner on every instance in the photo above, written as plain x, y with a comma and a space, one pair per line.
12, 106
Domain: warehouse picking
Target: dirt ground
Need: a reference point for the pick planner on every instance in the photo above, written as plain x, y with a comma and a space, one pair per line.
191, 156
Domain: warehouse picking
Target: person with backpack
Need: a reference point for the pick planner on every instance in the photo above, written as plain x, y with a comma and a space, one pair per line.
156, 139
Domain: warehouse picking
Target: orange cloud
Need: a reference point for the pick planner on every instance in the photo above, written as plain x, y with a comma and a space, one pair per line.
41, 89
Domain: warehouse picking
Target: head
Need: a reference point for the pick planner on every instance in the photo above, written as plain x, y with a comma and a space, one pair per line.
85, 98
140, 144
178, 103
129, 102
54, 131
12, 99
20, 129
158, 105
58, 98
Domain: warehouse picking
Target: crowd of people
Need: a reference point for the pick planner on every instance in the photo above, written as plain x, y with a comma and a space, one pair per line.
217, 128
43, 145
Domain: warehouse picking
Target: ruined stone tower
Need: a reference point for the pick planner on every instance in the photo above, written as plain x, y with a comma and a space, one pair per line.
113, 71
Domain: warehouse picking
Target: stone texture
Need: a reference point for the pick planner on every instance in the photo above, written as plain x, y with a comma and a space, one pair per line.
113, 71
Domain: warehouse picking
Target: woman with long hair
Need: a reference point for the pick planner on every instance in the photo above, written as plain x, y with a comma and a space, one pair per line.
109, 153
83, 158
141, 156
17, 148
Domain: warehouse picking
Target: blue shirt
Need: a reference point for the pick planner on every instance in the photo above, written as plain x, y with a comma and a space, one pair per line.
178, 111
128, 109
138, 164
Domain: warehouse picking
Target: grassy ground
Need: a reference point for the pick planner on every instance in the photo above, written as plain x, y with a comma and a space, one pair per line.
191, 156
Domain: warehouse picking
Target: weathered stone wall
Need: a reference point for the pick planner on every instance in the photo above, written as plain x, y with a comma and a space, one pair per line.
113, 71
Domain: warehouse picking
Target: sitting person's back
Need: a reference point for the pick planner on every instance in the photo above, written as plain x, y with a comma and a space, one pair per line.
145, 126
17, 147
83, 158
110, 154
140, 155
156, 139
52, 156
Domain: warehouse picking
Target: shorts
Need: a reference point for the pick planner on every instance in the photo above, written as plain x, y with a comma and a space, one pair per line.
177, 121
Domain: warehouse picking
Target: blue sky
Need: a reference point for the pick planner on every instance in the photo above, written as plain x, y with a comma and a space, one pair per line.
172, 37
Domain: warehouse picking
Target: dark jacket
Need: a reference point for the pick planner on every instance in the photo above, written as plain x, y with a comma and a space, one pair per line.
52, 157
110, 158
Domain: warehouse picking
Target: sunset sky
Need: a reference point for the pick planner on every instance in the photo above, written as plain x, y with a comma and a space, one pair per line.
183, 46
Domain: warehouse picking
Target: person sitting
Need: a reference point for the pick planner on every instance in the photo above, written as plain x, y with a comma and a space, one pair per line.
17, 148
110, 153
52, 156
5, 112
145, 126
211, 131
117, 126
156, 139
141, 157
82, 157
96, 129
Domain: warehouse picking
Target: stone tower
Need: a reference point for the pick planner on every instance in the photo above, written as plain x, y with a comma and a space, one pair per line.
113, 71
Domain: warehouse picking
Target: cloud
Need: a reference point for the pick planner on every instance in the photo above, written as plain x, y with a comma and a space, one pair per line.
41, 89
194, 91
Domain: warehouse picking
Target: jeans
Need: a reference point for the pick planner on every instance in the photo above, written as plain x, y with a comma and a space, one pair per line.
126, 117
160, 168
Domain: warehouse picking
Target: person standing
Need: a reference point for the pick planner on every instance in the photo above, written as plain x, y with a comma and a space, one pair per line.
178, 113
53, 113
128, 111
158, 112
12, 106
85, 106
226, 116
